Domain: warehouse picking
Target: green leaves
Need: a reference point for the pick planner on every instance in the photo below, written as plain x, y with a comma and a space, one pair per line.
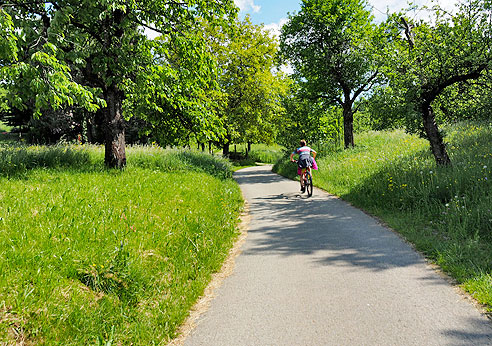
47, 82
455, 45
329, 44
8, 47
73, 52
426, 58
430, 57
251, 87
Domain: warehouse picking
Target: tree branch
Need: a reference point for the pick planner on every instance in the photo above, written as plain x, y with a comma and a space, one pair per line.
434, 92
408, 32
367, 86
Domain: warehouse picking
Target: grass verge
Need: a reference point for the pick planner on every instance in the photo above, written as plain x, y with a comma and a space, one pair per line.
96, 256
444, 211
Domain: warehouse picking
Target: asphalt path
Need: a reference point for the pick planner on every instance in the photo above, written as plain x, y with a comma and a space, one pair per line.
316, 271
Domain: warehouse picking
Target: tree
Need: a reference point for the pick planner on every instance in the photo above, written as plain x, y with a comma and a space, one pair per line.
251, 87
471, 100
331, 44
389, 110
176, 88
427, 58
104, 43
309, 120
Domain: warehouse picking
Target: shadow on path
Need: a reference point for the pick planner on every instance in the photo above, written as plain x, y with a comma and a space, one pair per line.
254, 177
467, 336
333, 234
292, 225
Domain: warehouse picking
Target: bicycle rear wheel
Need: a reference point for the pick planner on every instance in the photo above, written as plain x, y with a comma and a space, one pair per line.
309, 184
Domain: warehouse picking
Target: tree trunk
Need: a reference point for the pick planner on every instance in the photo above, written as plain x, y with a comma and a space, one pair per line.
434, 136
115, 156
348, 125
225, 150
203, 146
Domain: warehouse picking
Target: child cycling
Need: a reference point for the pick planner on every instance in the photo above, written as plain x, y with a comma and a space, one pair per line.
305, 161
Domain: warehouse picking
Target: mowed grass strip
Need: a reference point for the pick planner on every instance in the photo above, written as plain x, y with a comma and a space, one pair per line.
444, 211
90, 256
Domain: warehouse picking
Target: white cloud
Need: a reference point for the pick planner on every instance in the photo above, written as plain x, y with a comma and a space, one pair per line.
246, 5
274, 28
151, 34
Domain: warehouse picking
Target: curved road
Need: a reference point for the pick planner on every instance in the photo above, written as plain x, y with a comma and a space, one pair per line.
319, 272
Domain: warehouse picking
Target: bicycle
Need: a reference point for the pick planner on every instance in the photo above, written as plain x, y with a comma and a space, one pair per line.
308, 181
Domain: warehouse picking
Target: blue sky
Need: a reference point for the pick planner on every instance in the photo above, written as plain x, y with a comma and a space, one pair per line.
273, 13
269, 11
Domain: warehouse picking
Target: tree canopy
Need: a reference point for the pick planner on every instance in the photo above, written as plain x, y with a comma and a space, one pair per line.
251, 85
85, 51
426, 58
331, 45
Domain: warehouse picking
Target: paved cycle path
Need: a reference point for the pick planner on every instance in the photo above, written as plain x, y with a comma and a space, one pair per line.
316, 271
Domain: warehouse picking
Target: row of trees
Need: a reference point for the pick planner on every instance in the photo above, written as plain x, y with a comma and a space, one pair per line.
209, 77
339, 55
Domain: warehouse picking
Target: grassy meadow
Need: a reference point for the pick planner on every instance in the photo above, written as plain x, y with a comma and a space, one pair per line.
260, 153
444, 211
96, 256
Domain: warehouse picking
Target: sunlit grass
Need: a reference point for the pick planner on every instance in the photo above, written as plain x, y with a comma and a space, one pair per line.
260, 153
444, 211
5, 135
89, 255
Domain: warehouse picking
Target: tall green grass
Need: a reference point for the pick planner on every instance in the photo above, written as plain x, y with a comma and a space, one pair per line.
266, 153
444, 211
96, 256
175, 159
5, 135
260, 153
16, 160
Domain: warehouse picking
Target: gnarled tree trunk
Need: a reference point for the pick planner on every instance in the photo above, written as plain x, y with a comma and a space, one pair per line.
115, 156
434, 136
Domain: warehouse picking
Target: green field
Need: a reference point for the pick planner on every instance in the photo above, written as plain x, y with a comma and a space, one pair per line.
444, 211
5, 135
96, 256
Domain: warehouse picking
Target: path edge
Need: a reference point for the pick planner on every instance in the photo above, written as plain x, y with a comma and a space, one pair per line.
203, 303
452, 282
